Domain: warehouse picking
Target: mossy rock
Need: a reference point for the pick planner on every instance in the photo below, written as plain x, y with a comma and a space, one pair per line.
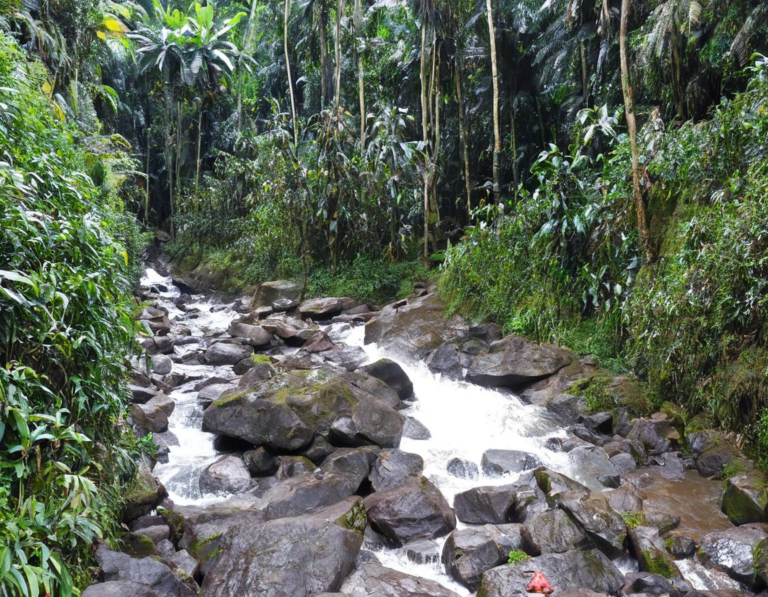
261, 359
137, 546
745, 497
675, 415
698, 423
175, 522
604, 392
658, 563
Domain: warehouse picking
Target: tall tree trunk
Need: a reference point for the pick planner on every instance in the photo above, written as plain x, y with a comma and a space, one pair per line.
463, 137
168, 142
179, 145
323, 56
496, 116
246, 48
629, 104
437, 94
337, 44
425, 136
360, 74
295, 122
584, 73
197, 168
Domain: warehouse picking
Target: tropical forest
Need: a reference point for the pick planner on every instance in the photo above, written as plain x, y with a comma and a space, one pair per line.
383, 298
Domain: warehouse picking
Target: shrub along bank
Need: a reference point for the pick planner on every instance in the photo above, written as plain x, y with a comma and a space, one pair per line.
68, 261
563, 265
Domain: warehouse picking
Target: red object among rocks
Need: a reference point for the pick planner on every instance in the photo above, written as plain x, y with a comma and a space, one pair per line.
539, 584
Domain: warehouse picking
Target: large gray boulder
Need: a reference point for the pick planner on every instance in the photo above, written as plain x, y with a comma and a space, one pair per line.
735, 551
746, 497
393, 468
470, 552
289, 557
304, 493
392, 374
601, 523
144, 493
321, 308
593, 463
227, 353
483, 505
564, 571
116, 566
371, 422
229, 474
651, 552
415, 510
269, 292
500, 462
553, 531
515, 362
254, 335
373, 580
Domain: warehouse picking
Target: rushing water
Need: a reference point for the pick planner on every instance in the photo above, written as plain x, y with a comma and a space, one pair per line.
464, 421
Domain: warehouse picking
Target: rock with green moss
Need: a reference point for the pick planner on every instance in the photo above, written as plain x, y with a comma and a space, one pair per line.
137, 546
651, 553
745, 497
568, 571
144, 493
554, 531
601, 523
468, 553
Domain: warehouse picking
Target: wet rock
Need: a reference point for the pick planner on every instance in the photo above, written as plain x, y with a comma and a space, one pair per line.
413, 429
185, 563
681, 547
116, 566
165, 549
587, 435
142, 395
319, 342
486, 505
284, 304
161, 364
553, 483
158, 345
601, 423
395, 467
155, 533
225, 353
228, 474
422, 551
144, 493
601, 523
500, 462
290, 557
269, 292
150, 417
651, 553
318, 450
363, 385
293, 466
348, 357
392, 374
657, 434
529, 500
717, 593
553, 531
515, 362
260, 463
214, 392
712, 461
625, 446
623, 463
646, 583
254, 335
593, 463
298, 495
415, 510
321, 308
156, 319
373, 580
352, 463
414, 327
446, 360
745, 497
470, 552
463, 469
733, 551
624, 499
120, 588
565, 571
372, 422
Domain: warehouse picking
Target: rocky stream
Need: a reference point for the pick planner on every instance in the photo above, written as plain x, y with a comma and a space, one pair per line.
332, 447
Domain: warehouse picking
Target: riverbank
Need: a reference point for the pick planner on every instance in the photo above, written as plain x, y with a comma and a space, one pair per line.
324, 446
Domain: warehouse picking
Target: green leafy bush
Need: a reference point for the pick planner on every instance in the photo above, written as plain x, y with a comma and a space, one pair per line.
516, 556
64, 332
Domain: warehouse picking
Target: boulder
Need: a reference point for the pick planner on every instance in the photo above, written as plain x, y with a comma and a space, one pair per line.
227, 353
161, 364
623, 462
624, 499
214, 392
260, 463
372, 422
150, 417
391, 374
304, 493
158, 344
712, 461
395, 467
501, 462
319, 342
463, 469
481, 505
680, 547
423, 551
144, 493
564, 571
156, 319
515, 362
116, 566
119, 588
593, 463
646, 583
415, 510
321, 308
352, 463
271, 291
290, 557
141, 394
254, 335
568, 406
414, 327
293, 466
553, 531
373, 580
651, 553
156, 533
229, 474
601, 523
657, 434
413, 429
283, 304
446, 360
733, 551
745, 497
468, 553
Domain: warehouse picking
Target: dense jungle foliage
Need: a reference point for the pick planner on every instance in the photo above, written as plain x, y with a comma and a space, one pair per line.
589, 172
